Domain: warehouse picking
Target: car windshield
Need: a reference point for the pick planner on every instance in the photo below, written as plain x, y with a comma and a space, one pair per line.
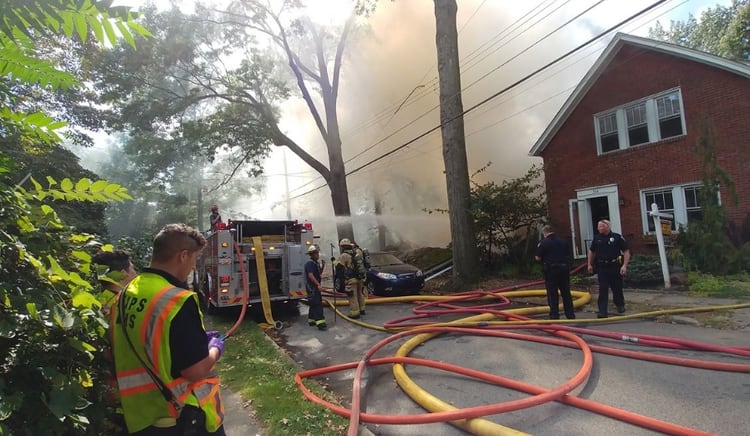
384, 259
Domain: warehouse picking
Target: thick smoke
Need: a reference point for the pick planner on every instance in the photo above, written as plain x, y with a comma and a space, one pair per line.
389, 95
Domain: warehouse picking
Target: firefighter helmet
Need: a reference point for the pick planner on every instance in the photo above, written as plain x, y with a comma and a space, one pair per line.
345, 242
312, 249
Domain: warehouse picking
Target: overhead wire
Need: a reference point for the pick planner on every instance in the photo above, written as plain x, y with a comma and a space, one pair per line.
525, 16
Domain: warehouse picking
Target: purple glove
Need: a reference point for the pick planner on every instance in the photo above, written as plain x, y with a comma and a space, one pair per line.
216, 343
213, 334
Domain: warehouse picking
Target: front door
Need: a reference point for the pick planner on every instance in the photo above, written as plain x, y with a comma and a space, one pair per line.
590, 206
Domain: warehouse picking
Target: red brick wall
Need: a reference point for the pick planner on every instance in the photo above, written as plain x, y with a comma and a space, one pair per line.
710, 97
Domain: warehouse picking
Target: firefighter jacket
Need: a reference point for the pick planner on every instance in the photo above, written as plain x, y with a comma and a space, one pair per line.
150, 305
354, 268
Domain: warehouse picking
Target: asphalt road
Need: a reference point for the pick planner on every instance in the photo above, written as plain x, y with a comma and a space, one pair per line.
711, 401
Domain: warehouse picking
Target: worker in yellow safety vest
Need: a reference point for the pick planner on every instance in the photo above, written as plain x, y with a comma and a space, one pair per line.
164, 358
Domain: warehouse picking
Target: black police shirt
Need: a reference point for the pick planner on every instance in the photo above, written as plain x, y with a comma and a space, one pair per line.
552, 249
608, 247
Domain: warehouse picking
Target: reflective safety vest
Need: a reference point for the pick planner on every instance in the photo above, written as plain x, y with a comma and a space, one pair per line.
151, 303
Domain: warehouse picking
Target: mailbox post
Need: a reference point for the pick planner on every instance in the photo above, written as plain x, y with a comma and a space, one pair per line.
657, 216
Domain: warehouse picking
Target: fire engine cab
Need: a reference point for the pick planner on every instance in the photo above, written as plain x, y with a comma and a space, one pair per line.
271, 254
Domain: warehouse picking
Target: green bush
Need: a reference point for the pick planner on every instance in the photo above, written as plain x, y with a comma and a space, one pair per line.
644, 270
52, 332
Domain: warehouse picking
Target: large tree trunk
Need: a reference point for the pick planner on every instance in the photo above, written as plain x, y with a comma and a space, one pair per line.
464, 247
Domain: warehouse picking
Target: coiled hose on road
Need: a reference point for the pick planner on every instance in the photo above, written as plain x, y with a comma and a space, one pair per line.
490, 319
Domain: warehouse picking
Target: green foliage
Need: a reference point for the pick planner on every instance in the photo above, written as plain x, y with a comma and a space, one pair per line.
707, 285
705, 243
721, 30
644, 270
23, 24
506, 216
52, 331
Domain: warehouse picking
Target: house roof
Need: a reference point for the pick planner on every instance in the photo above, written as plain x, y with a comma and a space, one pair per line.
618, 41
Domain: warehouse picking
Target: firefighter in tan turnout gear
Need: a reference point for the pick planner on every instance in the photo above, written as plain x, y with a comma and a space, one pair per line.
351, 266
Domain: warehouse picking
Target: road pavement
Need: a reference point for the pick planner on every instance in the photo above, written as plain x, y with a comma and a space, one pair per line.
711, 401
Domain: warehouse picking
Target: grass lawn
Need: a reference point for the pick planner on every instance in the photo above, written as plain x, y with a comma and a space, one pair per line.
254, 367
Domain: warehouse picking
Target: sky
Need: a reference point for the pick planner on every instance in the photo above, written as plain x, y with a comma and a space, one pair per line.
389, 96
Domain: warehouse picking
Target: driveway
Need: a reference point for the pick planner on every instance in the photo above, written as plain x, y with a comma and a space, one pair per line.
707, 400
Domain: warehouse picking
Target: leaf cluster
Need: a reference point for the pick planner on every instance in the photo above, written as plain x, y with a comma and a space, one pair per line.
506, 214
23, 27
721, 30
705, 244
52, 331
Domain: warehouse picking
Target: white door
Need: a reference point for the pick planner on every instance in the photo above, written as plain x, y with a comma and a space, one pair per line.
579, 235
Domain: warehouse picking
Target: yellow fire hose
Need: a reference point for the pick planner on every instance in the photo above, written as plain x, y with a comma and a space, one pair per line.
265, 296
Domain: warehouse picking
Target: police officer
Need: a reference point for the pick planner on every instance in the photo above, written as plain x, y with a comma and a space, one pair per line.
315, 315
553, 252
612, 255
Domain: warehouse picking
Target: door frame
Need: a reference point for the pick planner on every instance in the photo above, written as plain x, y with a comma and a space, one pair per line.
581, 227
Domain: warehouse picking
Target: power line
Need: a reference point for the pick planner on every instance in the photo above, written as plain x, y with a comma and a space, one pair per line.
428, 87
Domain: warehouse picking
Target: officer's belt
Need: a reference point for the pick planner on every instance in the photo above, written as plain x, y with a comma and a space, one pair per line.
607, 261
557, 264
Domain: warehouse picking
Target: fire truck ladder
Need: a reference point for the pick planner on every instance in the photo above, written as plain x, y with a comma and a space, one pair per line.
265, 297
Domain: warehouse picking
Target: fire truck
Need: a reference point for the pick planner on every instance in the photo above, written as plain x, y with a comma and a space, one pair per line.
270, 254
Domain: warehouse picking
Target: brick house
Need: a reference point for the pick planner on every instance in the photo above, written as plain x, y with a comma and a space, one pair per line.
626, 136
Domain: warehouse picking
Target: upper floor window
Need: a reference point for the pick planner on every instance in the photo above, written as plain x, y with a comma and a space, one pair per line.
652, 119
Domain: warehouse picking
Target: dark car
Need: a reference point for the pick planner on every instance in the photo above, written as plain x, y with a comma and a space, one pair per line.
389, 276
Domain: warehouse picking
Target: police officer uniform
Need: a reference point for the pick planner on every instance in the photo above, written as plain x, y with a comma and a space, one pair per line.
609, 250
553, 252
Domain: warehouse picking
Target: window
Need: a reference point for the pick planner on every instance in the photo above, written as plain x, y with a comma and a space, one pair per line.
692, 204
652, 119
682, 201
608, 132
670, 115
637, 124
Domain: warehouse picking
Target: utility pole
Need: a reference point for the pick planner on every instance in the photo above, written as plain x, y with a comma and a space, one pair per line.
286, 185
463, 239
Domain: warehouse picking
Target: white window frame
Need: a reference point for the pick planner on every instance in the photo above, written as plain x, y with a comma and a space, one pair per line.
652, 119
678, 200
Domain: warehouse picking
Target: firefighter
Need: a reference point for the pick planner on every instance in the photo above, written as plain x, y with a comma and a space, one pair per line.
215, 217
354, 273
315, 315
165, 360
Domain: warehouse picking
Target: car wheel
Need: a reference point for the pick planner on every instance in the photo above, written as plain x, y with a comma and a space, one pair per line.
371, 288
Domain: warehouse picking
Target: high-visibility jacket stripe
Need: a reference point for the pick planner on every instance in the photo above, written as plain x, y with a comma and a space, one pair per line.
157, 329
148, 315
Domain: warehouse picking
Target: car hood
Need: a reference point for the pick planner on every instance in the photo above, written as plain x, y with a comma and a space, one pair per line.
395, 269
